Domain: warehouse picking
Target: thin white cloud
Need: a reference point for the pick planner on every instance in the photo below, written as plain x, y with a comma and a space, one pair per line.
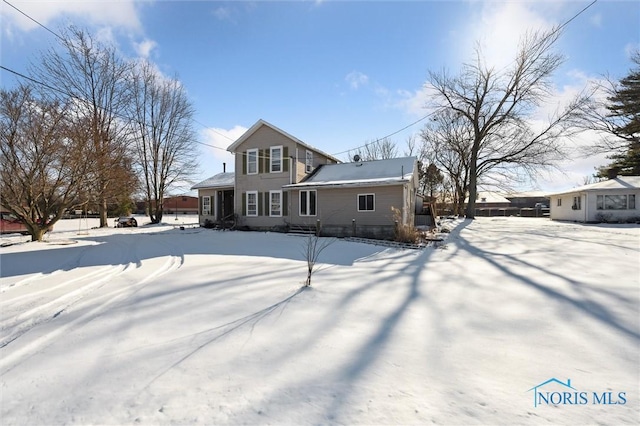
122, 13
596, 20
223, 13
217, 153
105, 35
356, 79
145, 47
414, 103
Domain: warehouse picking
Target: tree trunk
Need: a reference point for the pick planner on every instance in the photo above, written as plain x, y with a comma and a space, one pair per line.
103, 213
37, 234
473, 182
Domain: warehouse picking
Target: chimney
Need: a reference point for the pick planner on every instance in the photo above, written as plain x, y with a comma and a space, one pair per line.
612, 173
224, 167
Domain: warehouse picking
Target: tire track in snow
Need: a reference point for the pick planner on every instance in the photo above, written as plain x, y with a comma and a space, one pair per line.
34, 308
171, 263
33, 316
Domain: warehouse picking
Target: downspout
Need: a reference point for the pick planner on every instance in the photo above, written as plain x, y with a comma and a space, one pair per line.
586, 207
235, 190
290, 197
292, 165
404, 204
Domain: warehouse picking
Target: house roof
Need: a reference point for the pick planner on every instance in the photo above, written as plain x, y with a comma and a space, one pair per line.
621, 182
217, 181
527, 194
246, 135
366, 173
489, 197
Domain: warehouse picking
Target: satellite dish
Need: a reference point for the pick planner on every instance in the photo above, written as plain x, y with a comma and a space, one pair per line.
356, 158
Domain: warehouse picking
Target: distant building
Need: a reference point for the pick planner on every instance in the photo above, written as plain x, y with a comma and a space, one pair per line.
613, 200
183, 204
528, 199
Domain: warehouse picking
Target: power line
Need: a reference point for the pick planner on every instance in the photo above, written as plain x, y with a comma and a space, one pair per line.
227, 137
34, 20
87, 102
64, 41
387, 136
431, 113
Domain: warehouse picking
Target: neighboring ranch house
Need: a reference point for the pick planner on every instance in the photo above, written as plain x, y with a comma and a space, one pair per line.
613, 200
357, 198
267, 159
216, 198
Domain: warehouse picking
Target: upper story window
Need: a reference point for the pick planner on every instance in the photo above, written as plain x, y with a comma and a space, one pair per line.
308, 162
275, 155
252, 161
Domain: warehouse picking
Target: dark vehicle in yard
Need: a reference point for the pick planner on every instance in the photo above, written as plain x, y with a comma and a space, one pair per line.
126, 222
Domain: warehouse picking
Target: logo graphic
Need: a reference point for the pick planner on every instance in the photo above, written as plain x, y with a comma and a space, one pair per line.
547, 393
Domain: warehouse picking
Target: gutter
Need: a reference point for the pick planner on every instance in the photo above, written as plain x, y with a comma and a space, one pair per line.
345, 185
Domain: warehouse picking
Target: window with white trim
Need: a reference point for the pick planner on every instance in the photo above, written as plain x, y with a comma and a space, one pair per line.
559, 203
252, 161
275, 156
206, 205
577, 203
308, 200
252, 203
308, 161
616, 202
366, 202
275, 203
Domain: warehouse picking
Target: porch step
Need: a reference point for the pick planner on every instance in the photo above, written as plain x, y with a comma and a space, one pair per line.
302, 230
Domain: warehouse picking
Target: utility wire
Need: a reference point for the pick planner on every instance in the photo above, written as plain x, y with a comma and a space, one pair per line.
432, 113
34, 20
64, 41
225, 136
387, 136
122, 116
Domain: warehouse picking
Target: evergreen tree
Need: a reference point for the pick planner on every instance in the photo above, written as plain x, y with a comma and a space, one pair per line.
625, 104
624, 119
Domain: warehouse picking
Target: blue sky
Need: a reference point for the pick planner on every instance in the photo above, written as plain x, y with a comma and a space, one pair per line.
334, 74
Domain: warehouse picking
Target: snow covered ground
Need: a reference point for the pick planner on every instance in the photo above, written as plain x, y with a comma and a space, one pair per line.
157, 325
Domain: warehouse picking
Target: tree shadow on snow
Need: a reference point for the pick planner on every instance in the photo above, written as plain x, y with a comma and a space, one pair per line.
583, 302
122, 249
372, 348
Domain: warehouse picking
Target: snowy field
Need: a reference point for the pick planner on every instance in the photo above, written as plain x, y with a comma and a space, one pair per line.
157, 325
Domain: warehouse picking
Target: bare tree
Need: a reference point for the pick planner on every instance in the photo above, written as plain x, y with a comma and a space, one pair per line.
447, 145
412, 146
93, 76
313, 246
164, 137
42, 159
497, 105
380, 149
